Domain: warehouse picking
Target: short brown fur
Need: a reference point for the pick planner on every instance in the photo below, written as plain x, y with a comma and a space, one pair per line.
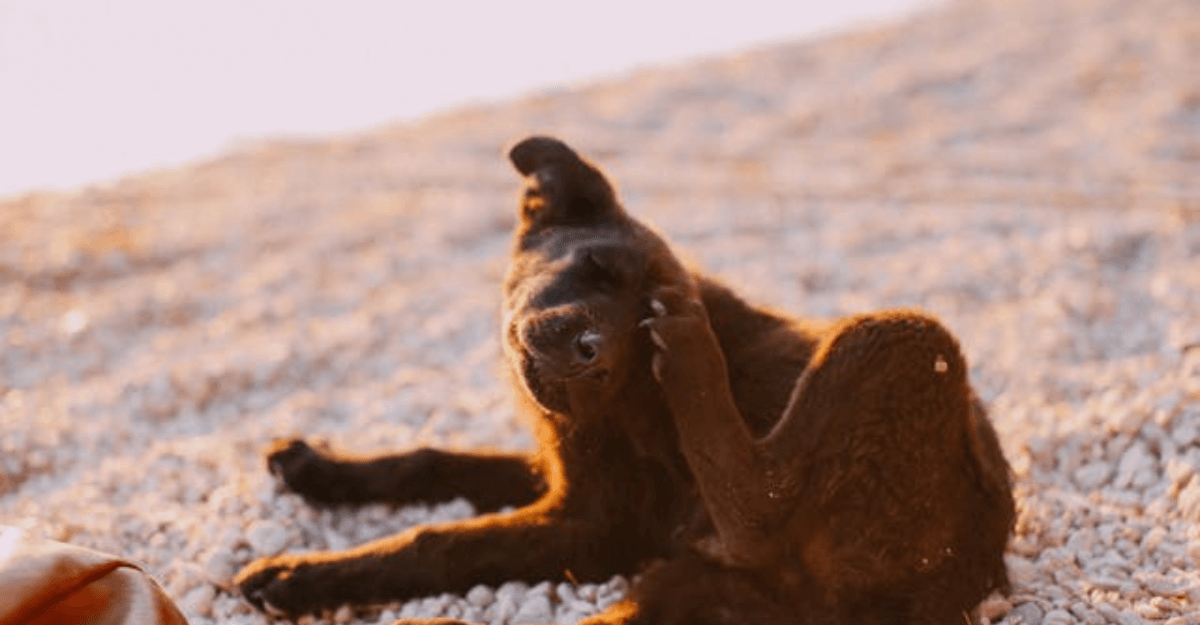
753, 467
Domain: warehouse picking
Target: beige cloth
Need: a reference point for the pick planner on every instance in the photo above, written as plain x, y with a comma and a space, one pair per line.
43, 582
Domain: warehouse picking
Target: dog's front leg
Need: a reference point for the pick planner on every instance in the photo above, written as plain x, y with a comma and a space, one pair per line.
529, 544
743, 490
489, 481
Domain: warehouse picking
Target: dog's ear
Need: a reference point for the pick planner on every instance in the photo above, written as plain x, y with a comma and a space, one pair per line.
562, 187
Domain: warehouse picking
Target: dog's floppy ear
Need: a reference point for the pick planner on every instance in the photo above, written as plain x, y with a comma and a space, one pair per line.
562, 186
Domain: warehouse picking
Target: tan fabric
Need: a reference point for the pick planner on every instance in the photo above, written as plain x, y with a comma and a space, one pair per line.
43, 582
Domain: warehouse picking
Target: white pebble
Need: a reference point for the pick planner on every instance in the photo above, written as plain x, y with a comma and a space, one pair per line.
480, 596
502, 610
535, 609
1028, 612
218, 565
335, 541
1058, 617
198, 601
469, 613
1092, 475
267, 538
565, 592
512, 591
586, 592
411, 609
265, 493
432, 606
567, 616
994, 607
1137, 467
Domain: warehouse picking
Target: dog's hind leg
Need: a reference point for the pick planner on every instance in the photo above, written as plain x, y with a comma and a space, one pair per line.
488, 481
882, 470
902, 489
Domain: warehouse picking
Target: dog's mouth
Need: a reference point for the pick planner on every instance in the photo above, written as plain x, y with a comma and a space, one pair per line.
550, 373
551, 385
551, 394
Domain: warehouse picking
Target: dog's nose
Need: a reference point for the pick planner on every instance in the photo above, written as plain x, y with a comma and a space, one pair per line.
587, 346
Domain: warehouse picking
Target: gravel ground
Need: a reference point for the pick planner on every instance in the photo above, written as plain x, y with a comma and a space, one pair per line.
1027, 170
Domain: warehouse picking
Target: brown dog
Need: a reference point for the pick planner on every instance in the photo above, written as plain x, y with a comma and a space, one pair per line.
754, 468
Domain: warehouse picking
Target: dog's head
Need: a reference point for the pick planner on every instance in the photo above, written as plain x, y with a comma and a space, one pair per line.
579, 283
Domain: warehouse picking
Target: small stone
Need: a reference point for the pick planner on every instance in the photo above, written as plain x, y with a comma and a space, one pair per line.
185, 576
542, 588
1164, 586
1092, 476
335, 541
411, 609
265, 493
567, 616
565, 592
1189, 499
1104, 582
501, 611
994, 607
267, 538
248, 618
1135, 462
469, 613
1029, 613
480, 596
199, 601
1088, 615
535, 609
586, 592
343, 615
512, 591
1058, 617
218, 566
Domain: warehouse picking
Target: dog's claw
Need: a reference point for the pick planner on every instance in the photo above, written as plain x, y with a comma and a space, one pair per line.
658, 340
660, 309
255, 599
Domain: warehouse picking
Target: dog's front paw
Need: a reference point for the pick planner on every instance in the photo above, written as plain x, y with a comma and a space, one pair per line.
687, 352
302, 468
280, 586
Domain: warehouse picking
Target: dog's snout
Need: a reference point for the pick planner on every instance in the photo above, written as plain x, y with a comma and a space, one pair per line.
563, 335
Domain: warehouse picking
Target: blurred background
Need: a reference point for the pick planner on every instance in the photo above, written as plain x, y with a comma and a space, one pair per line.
94, 90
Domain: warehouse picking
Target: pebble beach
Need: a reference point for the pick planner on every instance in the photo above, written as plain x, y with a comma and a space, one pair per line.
1028, 171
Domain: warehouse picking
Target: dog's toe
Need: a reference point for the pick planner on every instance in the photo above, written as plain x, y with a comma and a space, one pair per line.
285, 457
